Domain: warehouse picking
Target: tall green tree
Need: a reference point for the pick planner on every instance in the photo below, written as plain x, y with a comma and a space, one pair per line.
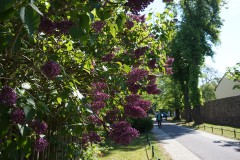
198, 31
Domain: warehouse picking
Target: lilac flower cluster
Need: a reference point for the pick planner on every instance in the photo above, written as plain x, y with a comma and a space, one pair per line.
51, 69
137, 6
18, 116
92, 119
98, 26
7, 96
136, 107
134, 87
91, 137
138, 18
100, 96
169, 70
97, 105
145, 105
99, 86
134, 111
168, 65
129, 24
169, 61
108, 57
152, 79
40, 144
123, 133
152, 63
132, 98
49, 27
136, 74
112, 116
152, 89
140, 52
38, 126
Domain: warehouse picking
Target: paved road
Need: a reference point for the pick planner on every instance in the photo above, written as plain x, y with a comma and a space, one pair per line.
183, 143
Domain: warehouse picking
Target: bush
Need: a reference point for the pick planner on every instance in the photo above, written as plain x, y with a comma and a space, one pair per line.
143, 124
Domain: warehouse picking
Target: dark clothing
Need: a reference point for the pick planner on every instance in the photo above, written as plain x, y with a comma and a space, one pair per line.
159, 119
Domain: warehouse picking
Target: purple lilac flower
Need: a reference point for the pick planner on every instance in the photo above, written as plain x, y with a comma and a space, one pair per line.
108, 57
169, 61
38, 126
40, 144
132, 98
97, 105
152, 64
140, 51
136, 74
134, 111
137, 6
112, 116
169, 70
134, 87
100, 96
8, 96
98, 26
18, 116
123, 133
129, 24
51, 69
152, 89
138, 18
145, 105
99, 86
91, 137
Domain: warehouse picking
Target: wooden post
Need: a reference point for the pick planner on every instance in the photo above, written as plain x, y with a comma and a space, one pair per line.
222, 130
234, 133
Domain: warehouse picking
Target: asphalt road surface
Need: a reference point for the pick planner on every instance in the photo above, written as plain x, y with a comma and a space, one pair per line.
206, 146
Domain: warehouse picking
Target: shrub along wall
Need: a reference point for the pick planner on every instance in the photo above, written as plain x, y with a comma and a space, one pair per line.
224, 111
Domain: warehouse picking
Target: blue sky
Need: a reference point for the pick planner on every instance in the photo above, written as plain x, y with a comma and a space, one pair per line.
228, 52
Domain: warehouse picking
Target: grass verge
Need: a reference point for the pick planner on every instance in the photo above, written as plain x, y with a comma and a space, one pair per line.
226, 131
138, 149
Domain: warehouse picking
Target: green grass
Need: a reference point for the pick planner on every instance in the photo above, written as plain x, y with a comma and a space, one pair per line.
225, 131
138, 149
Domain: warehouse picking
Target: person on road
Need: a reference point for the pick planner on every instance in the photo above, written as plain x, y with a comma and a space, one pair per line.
159, 119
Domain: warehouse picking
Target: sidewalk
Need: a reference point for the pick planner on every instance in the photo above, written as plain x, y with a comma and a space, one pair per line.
173, 147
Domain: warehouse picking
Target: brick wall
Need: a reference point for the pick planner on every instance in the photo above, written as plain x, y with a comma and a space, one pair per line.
224, 111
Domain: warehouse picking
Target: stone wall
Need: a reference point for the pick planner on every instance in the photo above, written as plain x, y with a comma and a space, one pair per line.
224, 111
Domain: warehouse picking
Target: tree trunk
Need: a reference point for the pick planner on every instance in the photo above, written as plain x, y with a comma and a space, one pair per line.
177, 114
197, 115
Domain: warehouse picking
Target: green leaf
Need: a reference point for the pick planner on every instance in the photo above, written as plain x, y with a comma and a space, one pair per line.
127, 68
8, 14
121, 19
59, 100
5, 5
35, 8
42, 106
31, 102
113, 29
30, 19
84, 22
29, 113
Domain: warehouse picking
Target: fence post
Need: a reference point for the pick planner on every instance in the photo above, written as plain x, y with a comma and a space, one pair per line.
212, 128
234, 133
222, 130
152, 151
204, 126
